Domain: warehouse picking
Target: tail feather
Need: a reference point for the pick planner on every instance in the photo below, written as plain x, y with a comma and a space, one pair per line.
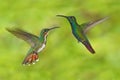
30, 59
88, 46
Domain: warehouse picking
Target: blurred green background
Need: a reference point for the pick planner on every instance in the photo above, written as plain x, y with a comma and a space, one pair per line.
63, 58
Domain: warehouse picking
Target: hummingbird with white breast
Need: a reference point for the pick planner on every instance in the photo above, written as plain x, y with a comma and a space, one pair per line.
37, 43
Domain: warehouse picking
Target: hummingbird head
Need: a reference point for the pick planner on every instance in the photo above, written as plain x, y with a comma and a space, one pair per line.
70, 18
45, 31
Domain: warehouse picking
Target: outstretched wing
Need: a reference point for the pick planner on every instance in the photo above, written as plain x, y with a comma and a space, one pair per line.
88, 25
28, 37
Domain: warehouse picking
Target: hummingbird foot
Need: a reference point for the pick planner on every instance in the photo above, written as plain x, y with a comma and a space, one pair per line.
31, 59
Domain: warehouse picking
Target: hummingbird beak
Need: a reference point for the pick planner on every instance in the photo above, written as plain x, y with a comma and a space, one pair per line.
62, 16
52, 28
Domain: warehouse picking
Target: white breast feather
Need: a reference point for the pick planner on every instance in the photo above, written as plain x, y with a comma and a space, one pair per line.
40, 49
43, 46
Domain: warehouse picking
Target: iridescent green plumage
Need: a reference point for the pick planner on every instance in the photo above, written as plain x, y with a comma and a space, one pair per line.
80, 30
37, 43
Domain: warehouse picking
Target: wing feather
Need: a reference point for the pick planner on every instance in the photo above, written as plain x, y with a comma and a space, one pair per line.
28, 37
88, 25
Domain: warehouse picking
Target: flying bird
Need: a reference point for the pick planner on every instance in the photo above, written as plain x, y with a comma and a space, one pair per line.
37, 43
79, 31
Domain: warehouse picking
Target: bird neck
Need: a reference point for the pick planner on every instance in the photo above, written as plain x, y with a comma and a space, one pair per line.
73, 24
43, 38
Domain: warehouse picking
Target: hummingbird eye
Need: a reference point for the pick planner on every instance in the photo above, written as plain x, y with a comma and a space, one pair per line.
71, 17
45, 30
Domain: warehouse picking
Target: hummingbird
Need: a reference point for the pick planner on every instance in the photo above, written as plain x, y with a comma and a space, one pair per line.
37, 43
79, 31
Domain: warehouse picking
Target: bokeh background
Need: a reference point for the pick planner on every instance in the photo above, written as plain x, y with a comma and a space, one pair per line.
63, 58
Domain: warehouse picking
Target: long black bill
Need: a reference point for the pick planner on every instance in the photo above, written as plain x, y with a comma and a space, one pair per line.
53, 28
62, 16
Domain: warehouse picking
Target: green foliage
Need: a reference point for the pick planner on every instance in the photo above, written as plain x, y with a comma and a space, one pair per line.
63, 58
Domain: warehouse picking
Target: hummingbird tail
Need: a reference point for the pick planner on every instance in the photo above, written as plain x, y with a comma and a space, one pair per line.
88, 46
31, 59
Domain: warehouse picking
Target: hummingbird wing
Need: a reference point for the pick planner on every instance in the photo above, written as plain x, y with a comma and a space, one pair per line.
28, 37
88, 25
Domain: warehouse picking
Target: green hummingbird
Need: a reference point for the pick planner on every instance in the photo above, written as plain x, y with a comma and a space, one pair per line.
79, 31
37, 43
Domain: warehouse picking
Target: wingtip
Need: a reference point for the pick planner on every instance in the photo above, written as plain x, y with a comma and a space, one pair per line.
105, 18
12, 30
8, 29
